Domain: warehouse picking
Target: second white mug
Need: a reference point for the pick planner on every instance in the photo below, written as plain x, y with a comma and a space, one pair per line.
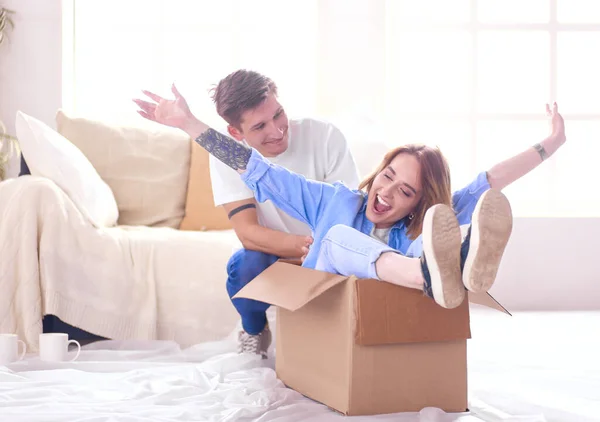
54, 347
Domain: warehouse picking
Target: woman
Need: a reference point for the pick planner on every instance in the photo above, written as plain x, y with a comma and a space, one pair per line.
401, 227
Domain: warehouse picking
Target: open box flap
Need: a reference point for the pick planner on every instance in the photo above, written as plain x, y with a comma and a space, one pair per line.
289, 286
487, 300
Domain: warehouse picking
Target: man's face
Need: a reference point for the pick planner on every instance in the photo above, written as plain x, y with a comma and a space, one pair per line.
265, 128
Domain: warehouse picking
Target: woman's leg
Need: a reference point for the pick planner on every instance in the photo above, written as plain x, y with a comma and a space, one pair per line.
347, 251
401, 270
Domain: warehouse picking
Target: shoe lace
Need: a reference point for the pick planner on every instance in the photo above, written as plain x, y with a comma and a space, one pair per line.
248, 343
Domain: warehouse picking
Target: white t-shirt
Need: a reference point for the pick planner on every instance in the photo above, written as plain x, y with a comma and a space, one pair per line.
317, 150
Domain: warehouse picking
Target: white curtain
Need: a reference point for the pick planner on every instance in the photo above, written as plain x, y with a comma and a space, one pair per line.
471, 76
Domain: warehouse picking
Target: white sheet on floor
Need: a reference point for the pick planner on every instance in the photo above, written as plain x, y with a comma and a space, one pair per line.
532, 367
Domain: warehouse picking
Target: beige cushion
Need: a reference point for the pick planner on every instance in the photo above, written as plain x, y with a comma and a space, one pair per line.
200, 210
147, 169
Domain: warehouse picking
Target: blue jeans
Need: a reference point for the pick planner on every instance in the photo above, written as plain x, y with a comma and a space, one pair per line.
347, 251
242, 268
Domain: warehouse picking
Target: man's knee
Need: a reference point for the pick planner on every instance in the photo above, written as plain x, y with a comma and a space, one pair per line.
246, 264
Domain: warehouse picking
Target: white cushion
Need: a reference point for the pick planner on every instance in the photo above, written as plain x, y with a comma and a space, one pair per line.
48, 154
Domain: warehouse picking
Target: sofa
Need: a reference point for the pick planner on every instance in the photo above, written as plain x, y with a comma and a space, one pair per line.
159, 271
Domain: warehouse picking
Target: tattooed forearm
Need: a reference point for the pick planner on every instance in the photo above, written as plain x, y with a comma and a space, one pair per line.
235, 154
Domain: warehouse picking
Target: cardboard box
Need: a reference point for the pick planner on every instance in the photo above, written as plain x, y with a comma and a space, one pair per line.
366, 347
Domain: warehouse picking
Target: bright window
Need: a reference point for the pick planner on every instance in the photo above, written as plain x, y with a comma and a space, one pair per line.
471, 76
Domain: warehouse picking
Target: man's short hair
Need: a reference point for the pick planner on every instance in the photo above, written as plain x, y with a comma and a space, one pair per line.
240, 91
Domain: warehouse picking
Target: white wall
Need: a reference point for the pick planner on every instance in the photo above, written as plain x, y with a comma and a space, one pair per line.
30, 63
549, 264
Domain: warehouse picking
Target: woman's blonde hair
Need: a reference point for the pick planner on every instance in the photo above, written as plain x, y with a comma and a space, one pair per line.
435, 181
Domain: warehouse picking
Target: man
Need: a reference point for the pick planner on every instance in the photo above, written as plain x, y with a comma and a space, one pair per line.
248, 102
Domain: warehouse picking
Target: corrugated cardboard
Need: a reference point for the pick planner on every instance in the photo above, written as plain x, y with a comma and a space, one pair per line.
365, 347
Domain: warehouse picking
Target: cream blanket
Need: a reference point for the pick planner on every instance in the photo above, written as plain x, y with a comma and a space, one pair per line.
120, 283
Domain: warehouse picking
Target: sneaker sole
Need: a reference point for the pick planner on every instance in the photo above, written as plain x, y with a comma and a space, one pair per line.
441, 245
491, 227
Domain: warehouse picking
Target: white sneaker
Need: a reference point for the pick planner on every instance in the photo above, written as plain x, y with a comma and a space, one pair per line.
440, 261
255, 343
482, 249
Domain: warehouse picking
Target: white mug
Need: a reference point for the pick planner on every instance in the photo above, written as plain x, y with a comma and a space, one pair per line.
9, 348
54, 347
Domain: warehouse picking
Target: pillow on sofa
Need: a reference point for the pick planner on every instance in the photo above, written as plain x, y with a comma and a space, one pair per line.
50, 155
147, 169
200, 210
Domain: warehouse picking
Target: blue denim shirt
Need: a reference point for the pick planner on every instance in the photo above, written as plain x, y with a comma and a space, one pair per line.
323, 205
